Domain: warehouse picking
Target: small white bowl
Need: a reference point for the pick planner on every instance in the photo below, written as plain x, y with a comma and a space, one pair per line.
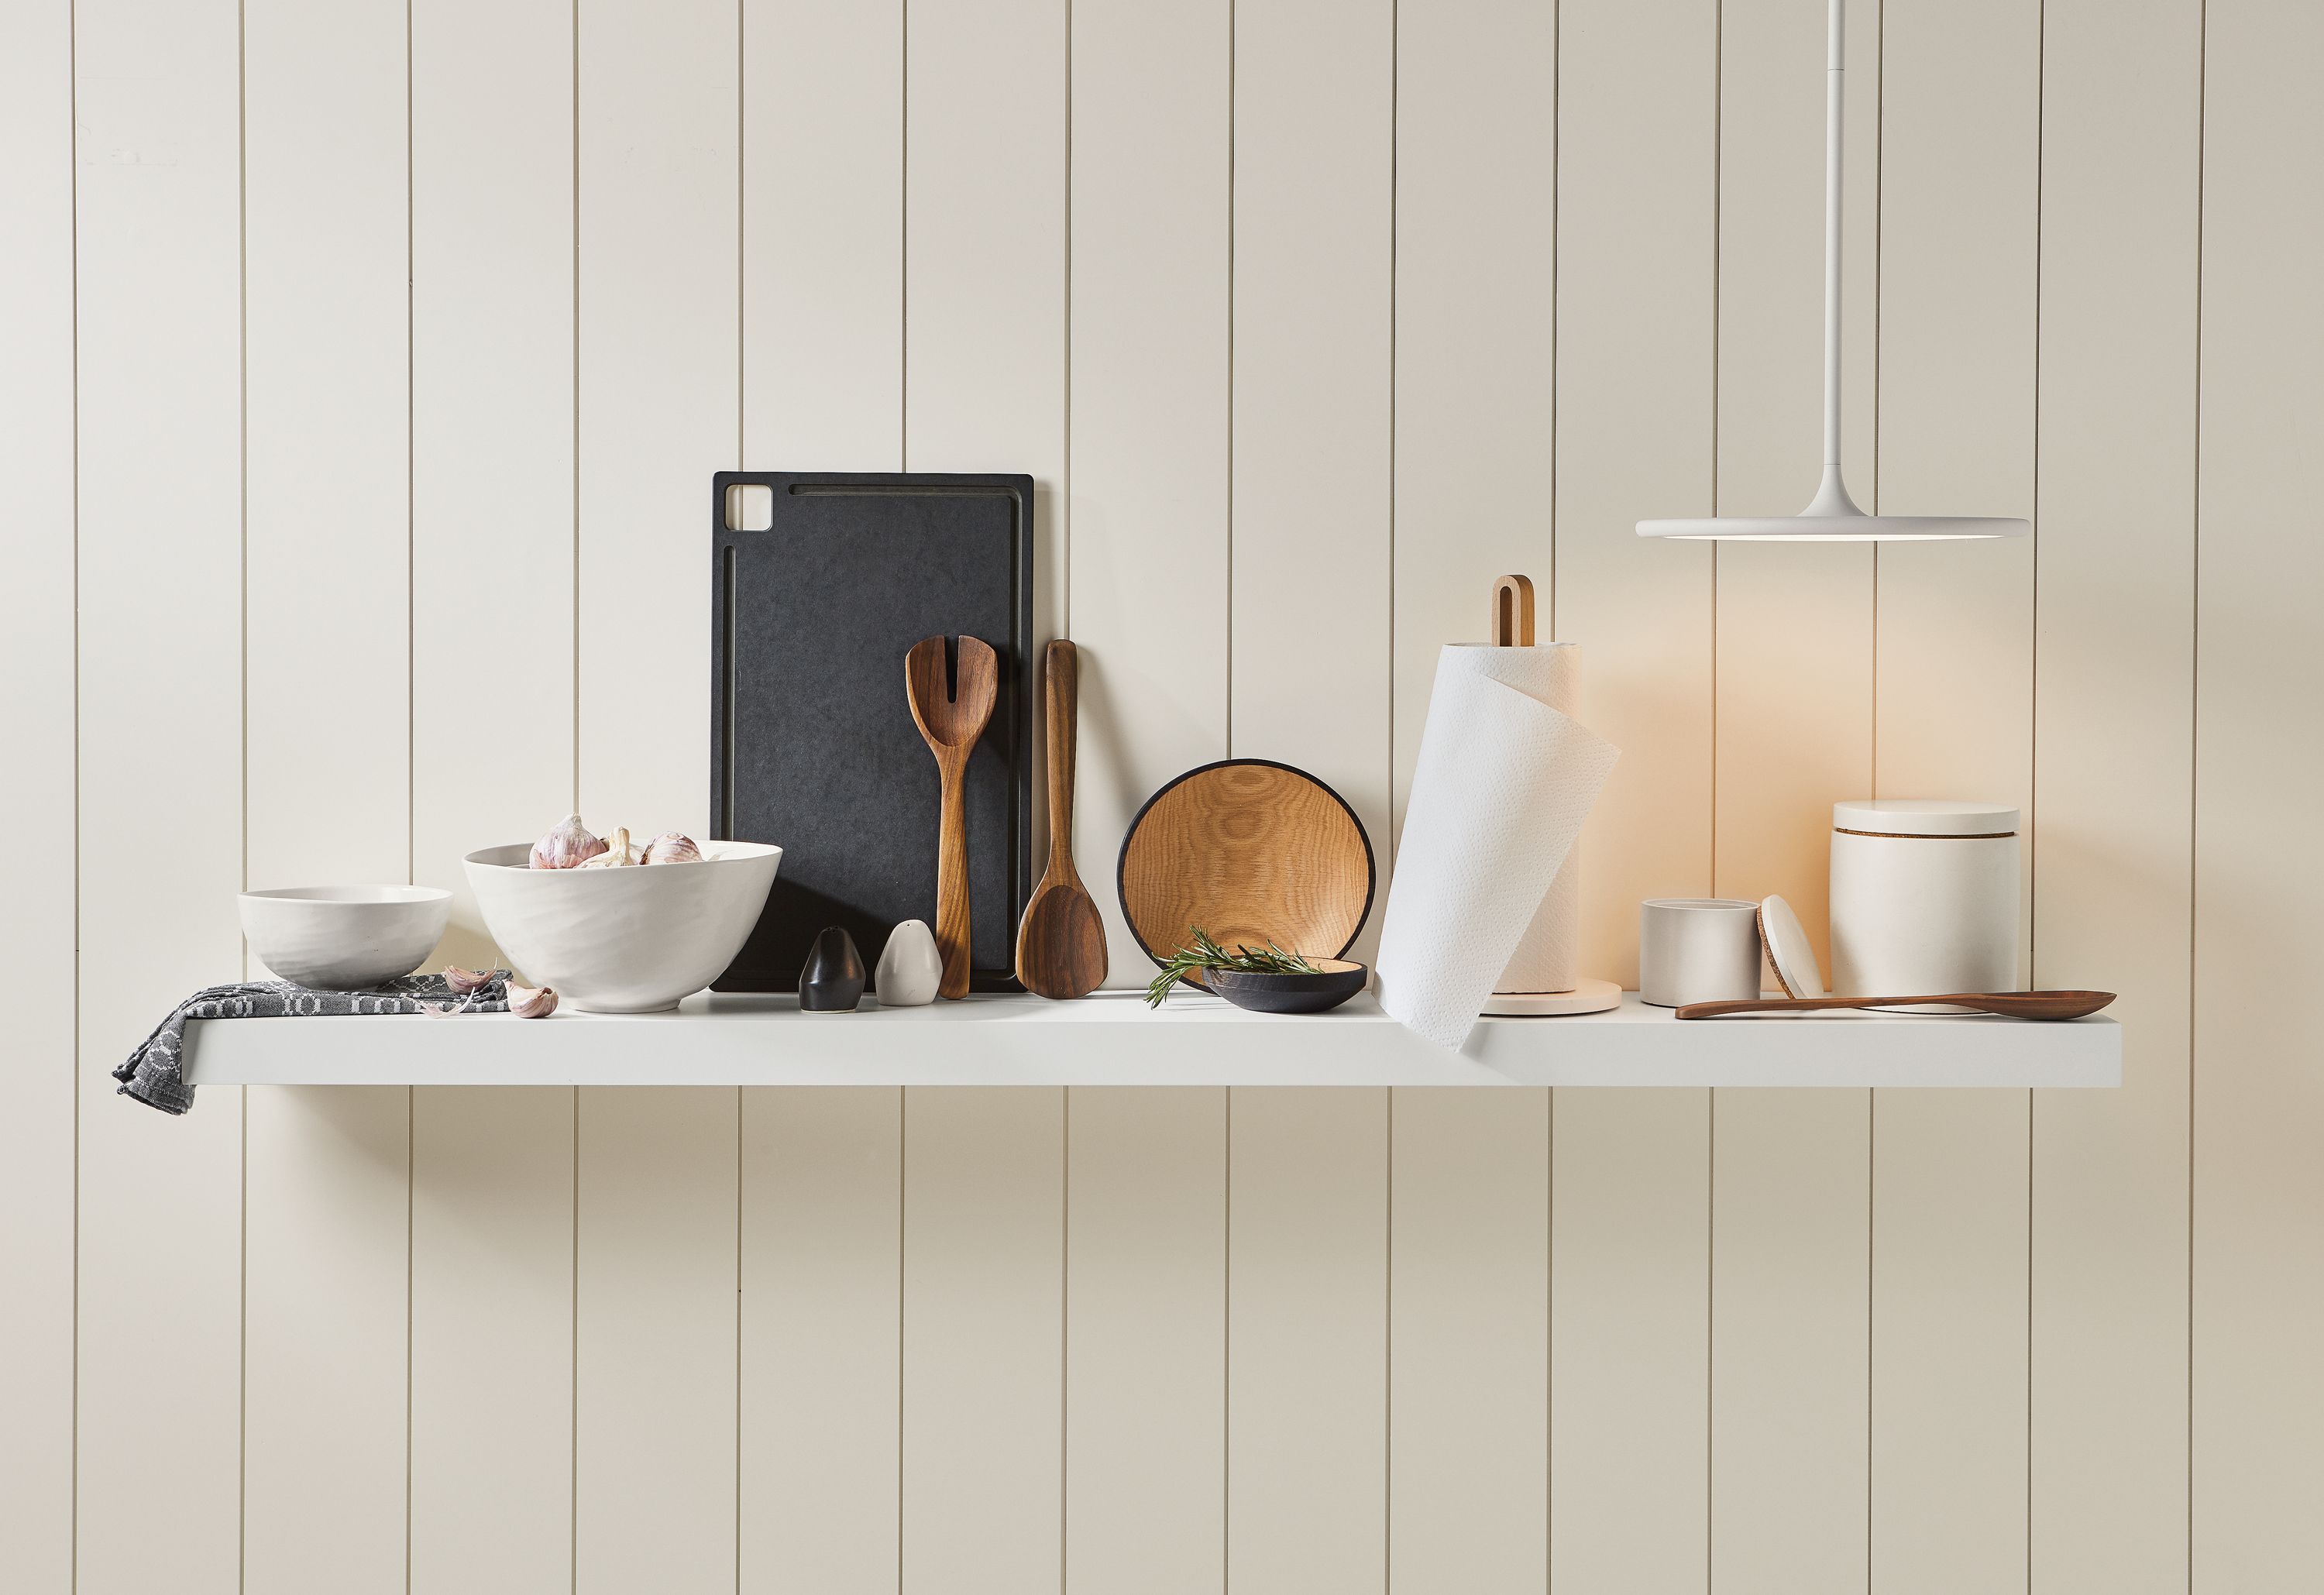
628, 939
344, 938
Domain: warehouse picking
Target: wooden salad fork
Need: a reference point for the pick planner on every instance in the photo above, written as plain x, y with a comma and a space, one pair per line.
952, 708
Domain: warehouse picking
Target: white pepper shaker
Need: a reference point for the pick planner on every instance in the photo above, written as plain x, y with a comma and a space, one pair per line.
1924, 896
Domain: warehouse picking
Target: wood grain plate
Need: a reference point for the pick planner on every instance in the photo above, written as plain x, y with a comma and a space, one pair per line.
1250, 851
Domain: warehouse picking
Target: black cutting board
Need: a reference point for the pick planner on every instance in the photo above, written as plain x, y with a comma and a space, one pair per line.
812, 743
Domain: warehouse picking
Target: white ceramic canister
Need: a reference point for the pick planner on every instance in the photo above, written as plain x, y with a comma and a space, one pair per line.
1698, 950
1924, 896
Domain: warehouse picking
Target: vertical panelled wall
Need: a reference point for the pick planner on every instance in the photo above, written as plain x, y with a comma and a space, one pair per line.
365, 362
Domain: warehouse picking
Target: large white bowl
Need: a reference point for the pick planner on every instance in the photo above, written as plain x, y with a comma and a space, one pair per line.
344, 938
630, 939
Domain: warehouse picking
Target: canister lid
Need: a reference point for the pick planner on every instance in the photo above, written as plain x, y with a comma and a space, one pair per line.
1923, 817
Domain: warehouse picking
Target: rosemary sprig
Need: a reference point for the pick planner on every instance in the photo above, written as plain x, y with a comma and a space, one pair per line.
1206, 954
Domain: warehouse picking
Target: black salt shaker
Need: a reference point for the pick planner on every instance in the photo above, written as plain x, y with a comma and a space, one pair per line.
832, 981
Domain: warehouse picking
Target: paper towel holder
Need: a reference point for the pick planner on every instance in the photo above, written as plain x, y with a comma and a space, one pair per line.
1588, 996
1512, 622
1511, 625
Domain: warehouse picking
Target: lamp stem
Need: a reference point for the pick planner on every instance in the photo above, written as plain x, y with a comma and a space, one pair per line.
1831, 495
1835, 79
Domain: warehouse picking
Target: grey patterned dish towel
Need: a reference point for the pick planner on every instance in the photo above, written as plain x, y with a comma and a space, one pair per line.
153, 1074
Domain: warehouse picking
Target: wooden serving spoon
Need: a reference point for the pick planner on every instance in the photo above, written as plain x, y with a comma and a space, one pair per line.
952, 709
1061, 942
2014, 1005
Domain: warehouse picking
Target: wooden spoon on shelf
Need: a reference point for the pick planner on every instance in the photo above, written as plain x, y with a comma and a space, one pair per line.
2014, 1005
952, 708
1061, 943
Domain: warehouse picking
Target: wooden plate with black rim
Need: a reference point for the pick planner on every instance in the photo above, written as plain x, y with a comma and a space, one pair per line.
1253, 851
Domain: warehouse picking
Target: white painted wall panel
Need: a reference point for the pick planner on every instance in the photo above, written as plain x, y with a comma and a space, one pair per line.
36, 791
326, 1307
822, 1370
492, 1305
2114, 713
1308, 1259
2258, 1100
1468, 1487
983, 1319
823, 235
159, 341
1146, 1340
1628, 1329
327, 204
326, 561
654, 1347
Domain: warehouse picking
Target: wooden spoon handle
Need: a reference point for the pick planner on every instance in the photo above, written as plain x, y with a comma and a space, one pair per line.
1064, 694
1711, 1010
951, 879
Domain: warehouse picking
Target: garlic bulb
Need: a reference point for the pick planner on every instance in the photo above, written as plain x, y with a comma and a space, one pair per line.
670, 848
569, 843
464, 982
531, 1002
620, 852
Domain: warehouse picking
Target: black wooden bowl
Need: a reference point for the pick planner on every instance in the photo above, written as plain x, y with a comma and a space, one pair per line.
1335, 980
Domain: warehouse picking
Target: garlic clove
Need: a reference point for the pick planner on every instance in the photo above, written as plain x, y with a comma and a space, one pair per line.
567, 844
621, 852
531, 1002
464, 981
671, 848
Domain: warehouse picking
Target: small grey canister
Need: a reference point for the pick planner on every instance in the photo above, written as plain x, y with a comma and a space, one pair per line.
1698, 950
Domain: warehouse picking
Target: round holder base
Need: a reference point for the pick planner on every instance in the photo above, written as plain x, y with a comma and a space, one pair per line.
1588, 996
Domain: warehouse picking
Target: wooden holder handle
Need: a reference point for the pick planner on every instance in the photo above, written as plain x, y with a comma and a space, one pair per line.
1512, 622
1063, 661
951, 879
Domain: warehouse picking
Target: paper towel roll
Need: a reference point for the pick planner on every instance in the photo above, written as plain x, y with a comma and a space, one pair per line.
1549, 954
1504, 780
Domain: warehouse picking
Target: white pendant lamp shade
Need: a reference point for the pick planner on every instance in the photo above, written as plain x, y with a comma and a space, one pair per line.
1833, 517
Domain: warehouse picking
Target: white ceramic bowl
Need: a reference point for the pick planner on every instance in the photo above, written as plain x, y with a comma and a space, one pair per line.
344, 938
630, 939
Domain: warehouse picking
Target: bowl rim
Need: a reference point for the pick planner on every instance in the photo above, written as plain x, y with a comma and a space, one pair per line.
1334, 969
748, 851
408, 895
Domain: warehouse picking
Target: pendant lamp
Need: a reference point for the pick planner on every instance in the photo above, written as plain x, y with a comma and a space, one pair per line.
1832, 517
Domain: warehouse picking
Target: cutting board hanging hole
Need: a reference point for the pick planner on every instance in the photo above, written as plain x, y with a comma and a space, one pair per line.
750, 507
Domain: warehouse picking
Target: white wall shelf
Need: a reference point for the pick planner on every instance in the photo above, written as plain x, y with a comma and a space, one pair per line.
1112, 1040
